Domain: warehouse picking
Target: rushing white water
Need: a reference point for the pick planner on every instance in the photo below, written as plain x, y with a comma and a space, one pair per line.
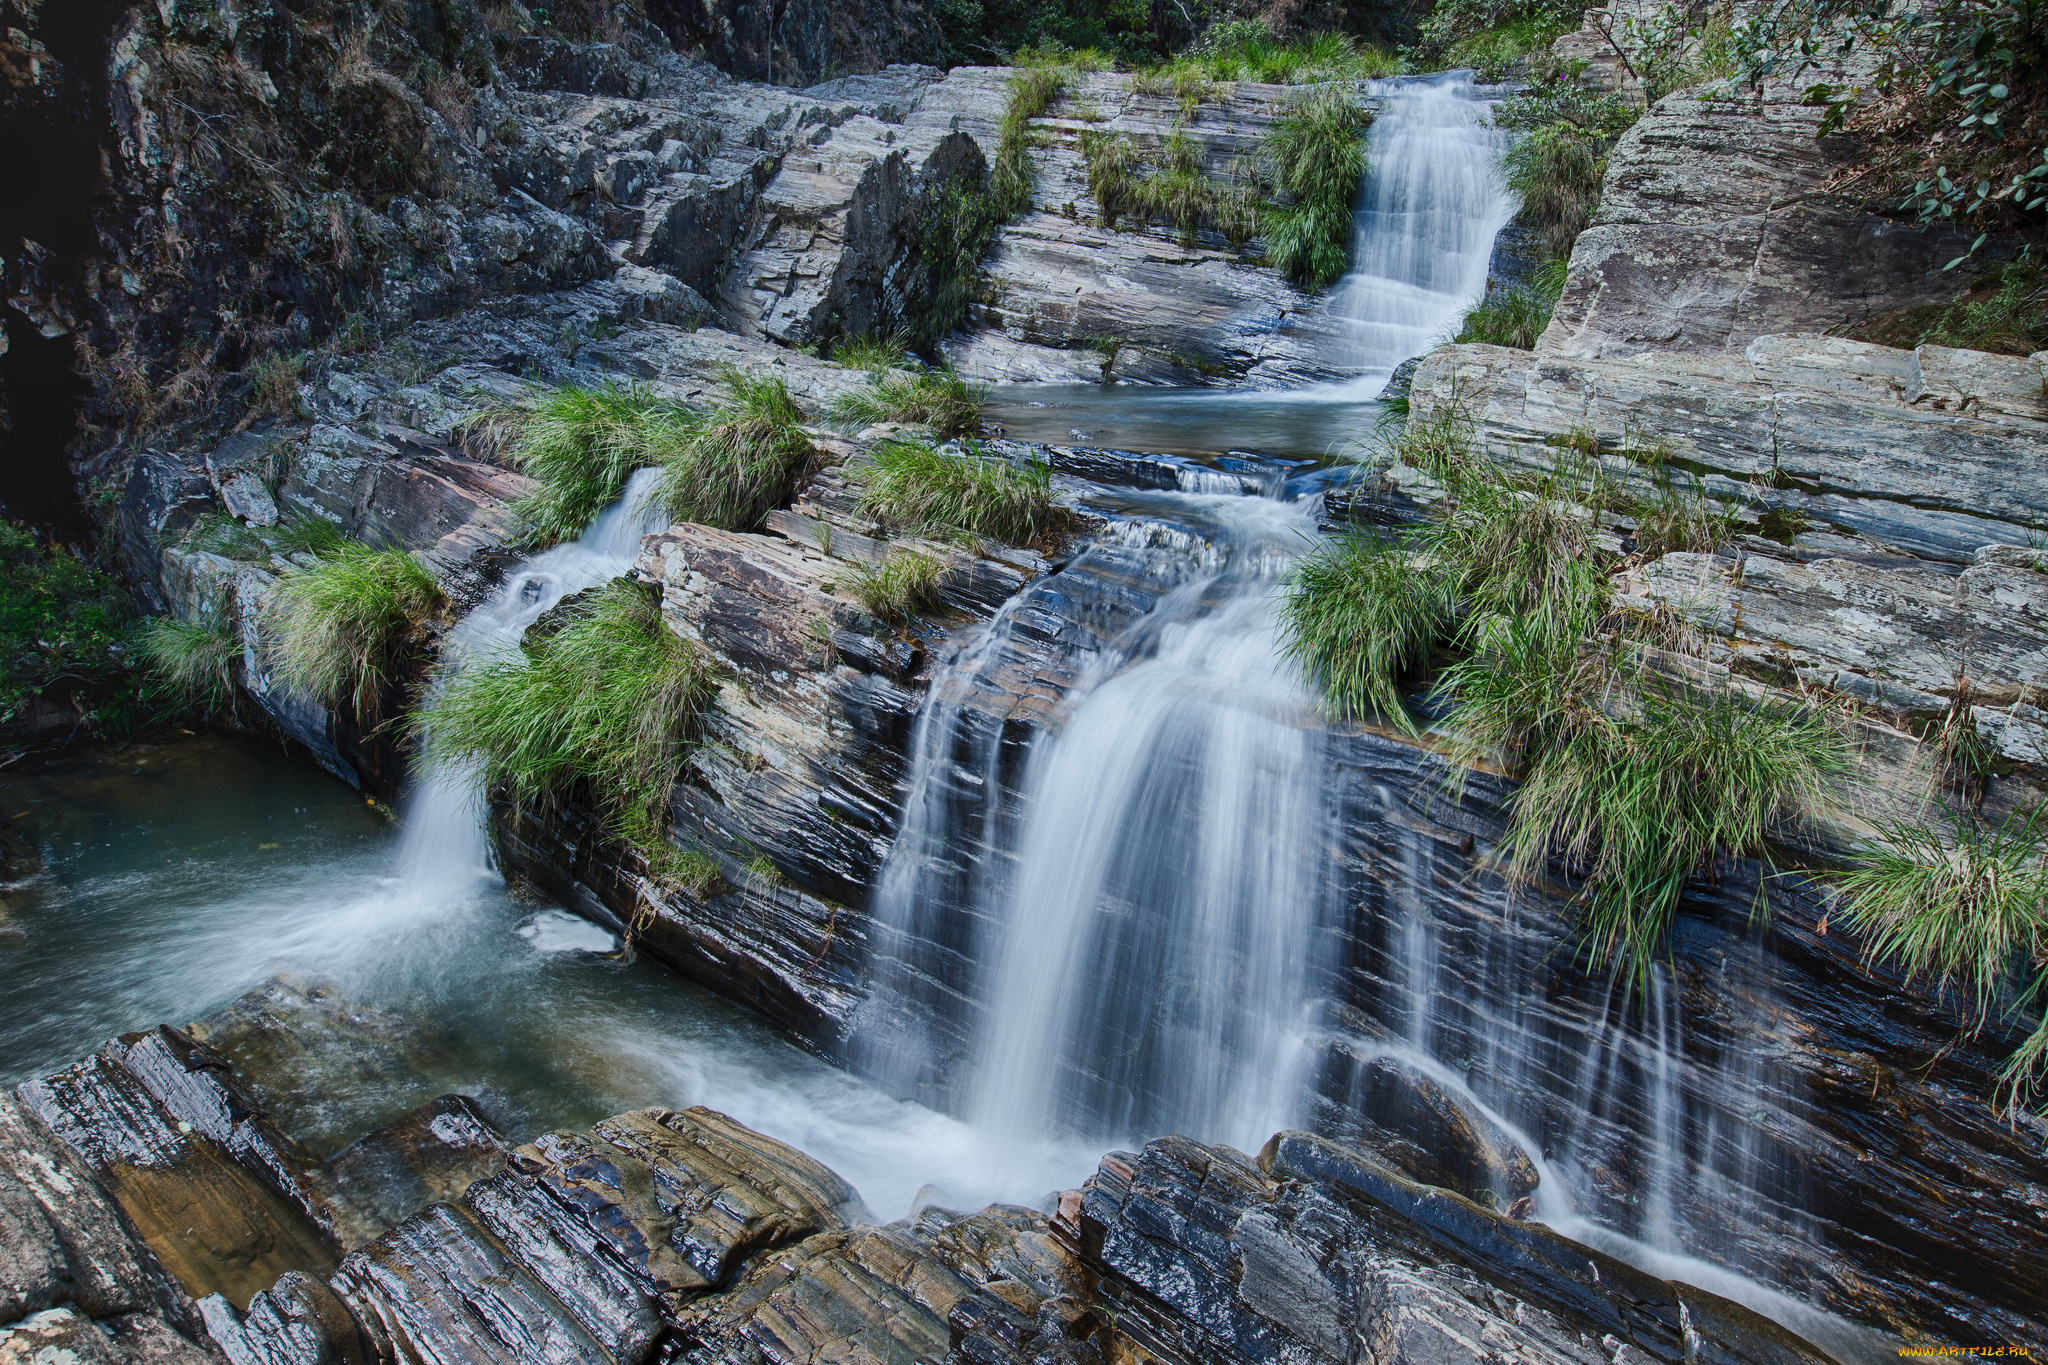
445, 849
1432, 202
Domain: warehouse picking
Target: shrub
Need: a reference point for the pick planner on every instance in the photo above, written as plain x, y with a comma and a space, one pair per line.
611, 697
904, 584
732, 466
64, 627
938, 492
350, 623
2013, 321
1317, 154
1359, 616
193, 661
580, 446
1637, 804
1492, 34
937, 399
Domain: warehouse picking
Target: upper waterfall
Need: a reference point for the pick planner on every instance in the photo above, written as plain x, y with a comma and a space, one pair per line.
1432, 201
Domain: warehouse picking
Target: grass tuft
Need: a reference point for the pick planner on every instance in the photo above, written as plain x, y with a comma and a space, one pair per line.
902, 585
1317, 153
349, 624
873, 353
193, 661
938, 492
936, 399
217, 533
1032, 91
581, 445
732, 466
612, 697
307, 533
1360, 616
1515, 315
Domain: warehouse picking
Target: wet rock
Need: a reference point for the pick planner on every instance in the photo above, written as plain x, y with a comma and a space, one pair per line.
1436, 1136
61, 1336
298, 1321
432, 1154
218, 1193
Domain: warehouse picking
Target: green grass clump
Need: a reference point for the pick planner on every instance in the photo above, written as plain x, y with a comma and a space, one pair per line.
905, 583
1033, 89
693, 870
217, 533
730, 467
1362, 615
1638, 803
581, 445
874, 353
1317, 155
1245, 50
938, 400
1515, 315
307, 533
612, 697
1168, 183
937, 492
1559, 165
350, 623
193, 661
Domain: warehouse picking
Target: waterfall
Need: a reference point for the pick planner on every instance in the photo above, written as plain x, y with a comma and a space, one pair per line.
444, 850
1430, 205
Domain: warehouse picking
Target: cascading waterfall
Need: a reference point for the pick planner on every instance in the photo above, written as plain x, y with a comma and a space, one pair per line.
445, 849
1428, 210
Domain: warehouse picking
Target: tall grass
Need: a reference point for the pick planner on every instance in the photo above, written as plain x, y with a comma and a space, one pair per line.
611, 697
1241, 50
580, 445
193, 661
350, 623
872, 353
1032, 90
1317, 155
1168, 184
307, 533
1515, 315
938, 400
1360, 616
1559, 165
730, 467
937, 492
1640, 803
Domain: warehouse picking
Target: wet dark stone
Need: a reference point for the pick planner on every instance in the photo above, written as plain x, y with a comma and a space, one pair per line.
434, 1153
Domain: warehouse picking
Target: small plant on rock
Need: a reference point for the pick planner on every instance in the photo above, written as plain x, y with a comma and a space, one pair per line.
581, 445
193, 661
738, 462
936, 399
350, 623
904, 584
934, 492
1317, 152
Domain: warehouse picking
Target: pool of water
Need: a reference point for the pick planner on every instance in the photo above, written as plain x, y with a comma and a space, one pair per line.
176, 876
1321, 423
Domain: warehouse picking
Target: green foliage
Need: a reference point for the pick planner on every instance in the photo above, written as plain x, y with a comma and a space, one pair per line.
1956, 111
937, 492
64, 627
612, 697
869, 352
1492, 35
952, 237
350, 623
904, 584
274, 381
936, 399
1032, 91
1679, 514
2013, 321
307, 533
193, 661
696, 872
580, 445
1440, 445
1515, 315
1560, 164
1360, 616
1963, 908
1317, 153
217, 533
730, 467
1167, 183
1646, 797
1245, 50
